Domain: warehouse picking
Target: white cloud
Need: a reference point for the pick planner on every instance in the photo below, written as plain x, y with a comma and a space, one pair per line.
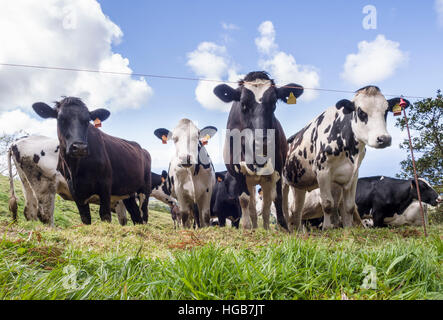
210, 61
229, 26
65, 33
282, 66
16, 120
439, 10
375, 61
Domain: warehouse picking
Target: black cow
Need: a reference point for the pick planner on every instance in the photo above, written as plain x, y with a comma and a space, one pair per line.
224, 200
382, 197
253, 130
94, 163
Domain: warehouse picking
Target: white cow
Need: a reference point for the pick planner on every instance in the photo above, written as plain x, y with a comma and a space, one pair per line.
191, 175
327, 154
35, 158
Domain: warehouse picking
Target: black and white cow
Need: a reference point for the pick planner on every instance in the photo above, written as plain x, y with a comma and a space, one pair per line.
327, 153
35, 158
95, 163
385, 198
253, 131
224, 201
191, 175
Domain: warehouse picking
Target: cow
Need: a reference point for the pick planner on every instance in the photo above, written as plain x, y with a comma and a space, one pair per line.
410, 217
381, 197
191, 175
327, 154
35, 158
224, 200
159, 189
97, 164
252, 131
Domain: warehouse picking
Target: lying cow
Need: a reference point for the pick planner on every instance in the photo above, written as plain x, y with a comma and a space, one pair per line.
327, 154
224, 200
96, 164
191, 174
253, 131
387, 199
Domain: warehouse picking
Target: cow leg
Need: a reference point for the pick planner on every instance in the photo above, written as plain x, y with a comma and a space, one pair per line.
268, 193
121, 213
329, 206
252, 206
105, 207
133, 209
45, 192
244, 205
144, 201
85, 213
347, 207
378, 218
31, 201
204, 206
297, 208
279, 202
285, 202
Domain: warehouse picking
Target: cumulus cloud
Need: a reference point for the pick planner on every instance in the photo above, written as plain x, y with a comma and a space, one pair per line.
211, 62
439, 10
16, 120
66, 33
281, 65
375, 61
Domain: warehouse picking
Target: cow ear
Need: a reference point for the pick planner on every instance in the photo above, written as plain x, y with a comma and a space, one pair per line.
163, 134
348, 106
101, 114
394, 101
226, 93
208, 132
44, 111
289, 92
164, 174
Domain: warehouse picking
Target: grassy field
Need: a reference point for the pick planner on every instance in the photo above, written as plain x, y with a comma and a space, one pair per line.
154, 261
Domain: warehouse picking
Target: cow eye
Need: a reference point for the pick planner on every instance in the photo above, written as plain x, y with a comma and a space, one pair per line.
363, 116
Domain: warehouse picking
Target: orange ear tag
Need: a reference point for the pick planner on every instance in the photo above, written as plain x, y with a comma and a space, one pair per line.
396, 110
97, 123
163, 179
205, 139
164, 139
219, 179
291, 99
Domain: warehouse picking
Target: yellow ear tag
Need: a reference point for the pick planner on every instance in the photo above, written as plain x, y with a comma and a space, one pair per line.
291, 99
164, 139
97, 123
219, 179
396, 110
205, 139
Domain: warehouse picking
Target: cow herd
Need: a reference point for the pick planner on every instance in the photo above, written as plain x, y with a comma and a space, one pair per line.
313, 174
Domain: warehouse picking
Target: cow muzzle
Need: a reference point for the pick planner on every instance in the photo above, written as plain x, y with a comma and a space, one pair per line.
383, 141
186, 162
78, 150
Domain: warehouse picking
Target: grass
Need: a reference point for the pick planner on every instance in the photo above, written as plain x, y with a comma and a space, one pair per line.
154, 261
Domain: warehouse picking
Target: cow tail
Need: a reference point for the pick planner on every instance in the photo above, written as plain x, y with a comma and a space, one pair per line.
12, 198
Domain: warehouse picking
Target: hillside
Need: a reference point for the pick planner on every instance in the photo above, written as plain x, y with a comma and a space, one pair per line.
154, 261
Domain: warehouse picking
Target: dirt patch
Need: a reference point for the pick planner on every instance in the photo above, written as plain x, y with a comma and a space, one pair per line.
189, 240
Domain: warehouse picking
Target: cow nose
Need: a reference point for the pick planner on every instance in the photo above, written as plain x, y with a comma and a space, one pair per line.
78, 149
384, 141
187, 163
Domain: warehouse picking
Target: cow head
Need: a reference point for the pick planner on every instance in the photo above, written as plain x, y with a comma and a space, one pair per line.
73, 123
255, 101
231, 188
188, 141
369, 109
427, 193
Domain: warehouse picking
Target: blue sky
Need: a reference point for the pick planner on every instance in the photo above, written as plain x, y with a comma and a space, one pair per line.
158, 37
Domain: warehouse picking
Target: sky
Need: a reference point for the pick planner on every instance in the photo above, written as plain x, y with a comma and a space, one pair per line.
342, 45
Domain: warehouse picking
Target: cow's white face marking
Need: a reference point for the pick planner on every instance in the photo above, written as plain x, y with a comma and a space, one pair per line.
371, 123
258, 88
426, 182
186, 139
